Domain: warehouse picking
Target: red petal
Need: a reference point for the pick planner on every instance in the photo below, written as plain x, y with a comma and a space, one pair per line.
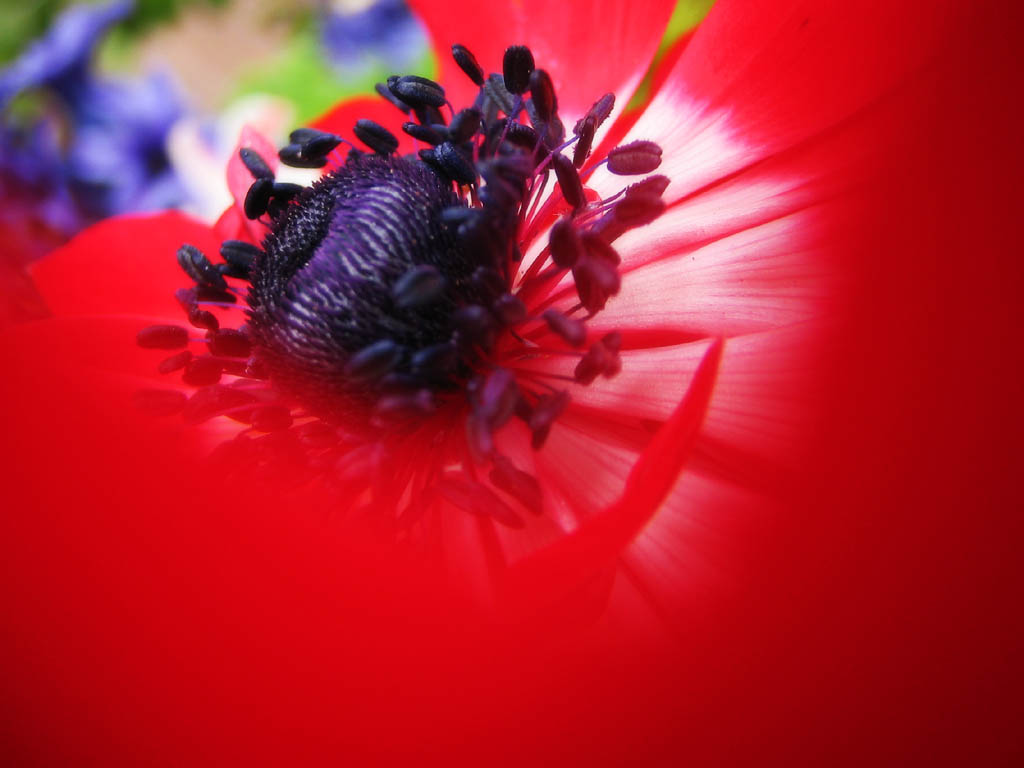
588, 48
568, 564
761, 278
122, 266
771, 75
100, 351
233, 225
762, 246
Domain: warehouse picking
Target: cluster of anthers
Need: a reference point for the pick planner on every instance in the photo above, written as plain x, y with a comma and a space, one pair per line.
391, 319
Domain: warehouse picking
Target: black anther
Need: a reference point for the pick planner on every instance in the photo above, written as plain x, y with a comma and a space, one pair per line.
229, 342
417, 91
384, 91
162, 337
542, 93
257, 198
257, 165
239, 255
203, 318
510, 309
175, 362
430, 134
293, 156
376, 137
199, 268
569, 181
495, 89
517, 66
467, 63
464, 125
419, 286
455, 163
374, 361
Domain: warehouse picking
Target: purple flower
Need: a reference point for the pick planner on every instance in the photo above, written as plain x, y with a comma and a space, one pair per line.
111, 158
354, 31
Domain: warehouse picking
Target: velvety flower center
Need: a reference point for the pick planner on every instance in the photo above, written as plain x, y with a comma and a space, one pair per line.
394, 288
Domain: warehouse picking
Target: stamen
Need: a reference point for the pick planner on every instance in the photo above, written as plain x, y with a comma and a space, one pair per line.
388, 297
175, 362
229, 342
199, 268
202, 371
494, 88
521, 485
418, 287
599, 112
464, 125
239, 256
258, 198
376, 137
386, 93
417, 91
374, 361
586, 140
542, 94
634, 158
566, 244
467, 63
431, 134
256, 165
455, 164
162, 337
569, 181
572, 330
517, 66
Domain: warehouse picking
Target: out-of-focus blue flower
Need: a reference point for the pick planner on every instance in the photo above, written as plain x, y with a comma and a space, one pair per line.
356, 31
62, 56
90, 147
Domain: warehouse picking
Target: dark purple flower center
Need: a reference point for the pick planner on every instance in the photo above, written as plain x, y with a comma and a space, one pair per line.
392, 287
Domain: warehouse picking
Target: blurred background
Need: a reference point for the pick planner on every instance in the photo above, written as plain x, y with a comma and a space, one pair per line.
121, 106
110, 107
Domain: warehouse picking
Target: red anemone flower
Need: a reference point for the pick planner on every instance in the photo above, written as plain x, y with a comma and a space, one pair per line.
489, 410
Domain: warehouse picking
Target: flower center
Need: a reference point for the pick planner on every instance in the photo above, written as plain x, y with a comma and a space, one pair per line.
395, 287
356, 293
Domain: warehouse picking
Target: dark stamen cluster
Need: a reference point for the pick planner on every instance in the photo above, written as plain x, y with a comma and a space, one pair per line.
394, 283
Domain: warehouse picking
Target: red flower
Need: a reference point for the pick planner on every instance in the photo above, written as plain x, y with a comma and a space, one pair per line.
775, 137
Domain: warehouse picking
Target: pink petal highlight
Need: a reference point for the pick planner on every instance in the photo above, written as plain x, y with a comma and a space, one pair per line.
565, 566
779, 273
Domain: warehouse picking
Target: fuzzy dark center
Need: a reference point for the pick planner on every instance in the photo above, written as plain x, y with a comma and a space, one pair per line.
357, 281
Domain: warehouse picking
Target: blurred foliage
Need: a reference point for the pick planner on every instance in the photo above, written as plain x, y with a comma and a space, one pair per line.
687, 15
20, 23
